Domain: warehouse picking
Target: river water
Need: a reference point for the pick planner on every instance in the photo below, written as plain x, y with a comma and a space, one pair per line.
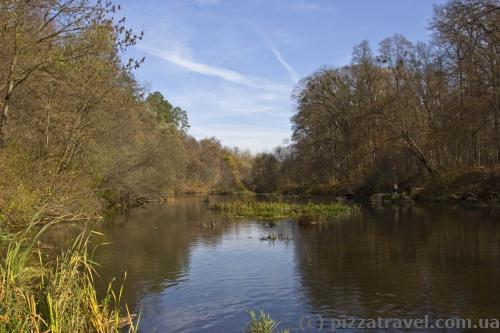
192, 270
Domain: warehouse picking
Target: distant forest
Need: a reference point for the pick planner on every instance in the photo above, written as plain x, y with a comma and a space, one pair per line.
79, 134
406, 111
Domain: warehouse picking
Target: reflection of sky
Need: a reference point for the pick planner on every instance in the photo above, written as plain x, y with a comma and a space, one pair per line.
224, 281
232, 64
391, 261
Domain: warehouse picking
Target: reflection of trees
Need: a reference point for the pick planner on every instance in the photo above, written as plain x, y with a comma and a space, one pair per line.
152, 244
409, 262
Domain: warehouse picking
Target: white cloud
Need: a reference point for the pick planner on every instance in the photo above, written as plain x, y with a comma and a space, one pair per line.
206, 2
293, 74
309, 5
237, 115
256, 139
231, 100
306, 6
239, 109
201, 68
180, 57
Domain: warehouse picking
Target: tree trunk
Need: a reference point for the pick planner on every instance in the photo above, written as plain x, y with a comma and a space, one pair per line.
4, 113
415, 149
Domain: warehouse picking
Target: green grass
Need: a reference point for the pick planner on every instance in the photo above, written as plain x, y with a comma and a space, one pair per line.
57, 296
262, 323
309, 212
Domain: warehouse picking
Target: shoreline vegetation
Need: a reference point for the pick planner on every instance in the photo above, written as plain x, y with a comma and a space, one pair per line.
57, 295
273, 211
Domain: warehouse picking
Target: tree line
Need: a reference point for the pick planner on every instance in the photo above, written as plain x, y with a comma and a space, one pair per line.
77, 132
405, 113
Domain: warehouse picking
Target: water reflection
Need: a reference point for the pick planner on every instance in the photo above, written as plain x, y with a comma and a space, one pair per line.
395, 262
153, 245
191, 270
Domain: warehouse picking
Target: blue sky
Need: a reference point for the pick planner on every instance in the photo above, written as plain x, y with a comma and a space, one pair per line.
233, 64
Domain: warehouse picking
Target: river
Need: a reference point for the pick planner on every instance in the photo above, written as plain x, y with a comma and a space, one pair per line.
193, 270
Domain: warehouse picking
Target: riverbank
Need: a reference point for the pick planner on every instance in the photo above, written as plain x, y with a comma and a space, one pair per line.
476, 186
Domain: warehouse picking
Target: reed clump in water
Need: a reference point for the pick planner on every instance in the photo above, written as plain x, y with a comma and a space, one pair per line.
58, 296
309, 212
274, 236
262, 323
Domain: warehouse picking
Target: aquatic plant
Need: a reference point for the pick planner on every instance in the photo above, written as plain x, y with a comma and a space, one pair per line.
209, 225
309, 212
57, 296
273, 236
262, 323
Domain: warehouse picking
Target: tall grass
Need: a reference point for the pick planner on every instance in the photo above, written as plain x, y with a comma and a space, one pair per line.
309, 212
57, 296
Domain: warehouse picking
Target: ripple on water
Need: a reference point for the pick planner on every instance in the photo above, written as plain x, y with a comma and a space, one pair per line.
189, 278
